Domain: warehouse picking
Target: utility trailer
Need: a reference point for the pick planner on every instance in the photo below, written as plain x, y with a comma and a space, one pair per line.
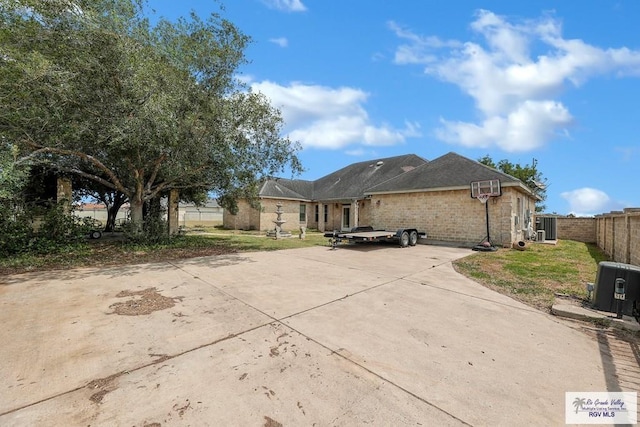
403, 236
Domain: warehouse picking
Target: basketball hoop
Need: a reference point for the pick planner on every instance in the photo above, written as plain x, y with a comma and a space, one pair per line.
483, 197
483, 191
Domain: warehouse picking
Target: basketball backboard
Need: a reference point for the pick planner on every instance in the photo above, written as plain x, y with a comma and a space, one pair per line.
490, 188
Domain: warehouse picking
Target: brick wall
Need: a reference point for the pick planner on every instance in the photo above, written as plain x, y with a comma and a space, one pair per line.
447, 216
245, 219
263, 219
364, 213
291, 215
452, 216
335, 217
578, 229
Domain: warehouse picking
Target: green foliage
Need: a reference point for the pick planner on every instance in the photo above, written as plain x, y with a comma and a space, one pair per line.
528, 174
12, 174
153, 232
40, 230
16, 232
92, 88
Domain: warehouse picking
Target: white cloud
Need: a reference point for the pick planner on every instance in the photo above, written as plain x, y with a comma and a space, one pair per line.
418, 49
527, 124
286, 5
280, 41
514, 90
588, 201
331, 118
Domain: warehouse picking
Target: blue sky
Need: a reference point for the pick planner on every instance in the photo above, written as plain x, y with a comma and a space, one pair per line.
362, 79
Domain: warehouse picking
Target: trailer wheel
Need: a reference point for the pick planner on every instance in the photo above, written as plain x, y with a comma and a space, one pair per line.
404, 239
95, 234
413, 238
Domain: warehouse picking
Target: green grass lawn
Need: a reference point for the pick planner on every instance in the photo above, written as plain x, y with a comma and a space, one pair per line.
535, 275
257, 241
113, 250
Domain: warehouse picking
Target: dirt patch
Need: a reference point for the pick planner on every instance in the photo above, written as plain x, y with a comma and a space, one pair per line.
97, 397
270, 422
104, 386
144, 302
182, 409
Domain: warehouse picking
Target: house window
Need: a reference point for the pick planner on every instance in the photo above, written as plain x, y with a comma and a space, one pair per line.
303, 213
326, 213
317, 212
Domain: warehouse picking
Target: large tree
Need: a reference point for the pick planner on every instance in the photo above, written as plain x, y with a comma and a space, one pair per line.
91, 87
528, 174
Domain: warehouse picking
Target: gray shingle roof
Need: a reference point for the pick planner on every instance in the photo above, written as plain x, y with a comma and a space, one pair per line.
450, 170
282, 188
392, 174
351, 182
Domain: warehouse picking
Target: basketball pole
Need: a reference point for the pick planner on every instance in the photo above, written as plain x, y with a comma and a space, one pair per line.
486, 213
483, 191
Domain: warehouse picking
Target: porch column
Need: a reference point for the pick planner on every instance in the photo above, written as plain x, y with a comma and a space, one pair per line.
172, 213
321, 223
354, 208
63, 193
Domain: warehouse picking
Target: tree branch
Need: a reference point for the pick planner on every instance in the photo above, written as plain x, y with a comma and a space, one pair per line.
156, 168
114, 183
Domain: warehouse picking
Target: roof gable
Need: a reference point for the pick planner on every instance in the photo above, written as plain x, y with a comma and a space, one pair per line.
282, 188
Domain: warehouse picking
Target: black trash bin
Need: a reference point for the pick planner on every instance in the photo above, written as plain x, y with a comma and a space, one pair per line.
602, 297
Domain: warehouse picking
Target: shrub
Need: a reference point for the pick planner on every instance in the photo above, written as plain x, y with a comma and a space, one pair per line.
39, 230
16, 230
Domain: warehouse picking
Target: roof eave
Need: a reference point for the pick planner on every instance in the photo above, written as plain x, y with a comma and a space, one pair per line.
285, 198
417, 190
449, 188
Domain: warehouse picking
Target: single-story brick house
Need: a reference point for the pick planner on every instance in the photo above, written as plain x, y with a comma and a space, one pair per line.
395, 192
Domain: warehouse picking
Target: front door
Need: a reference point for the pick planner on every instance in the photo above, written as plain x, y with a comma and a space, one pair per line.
346, 218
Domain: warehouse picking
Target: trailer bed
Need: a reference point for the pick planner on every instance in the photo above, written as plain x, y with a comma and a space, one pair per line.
404, 237
366, 236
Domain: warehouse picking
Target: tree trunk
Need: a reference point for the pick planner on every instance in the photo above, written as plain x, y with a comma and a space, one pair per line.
112, 211
136, 214
172, 213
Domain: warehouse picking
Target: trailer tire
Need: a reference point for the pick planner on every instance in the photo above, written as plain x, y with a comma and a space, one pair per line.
404, 239
95, 234
413, 238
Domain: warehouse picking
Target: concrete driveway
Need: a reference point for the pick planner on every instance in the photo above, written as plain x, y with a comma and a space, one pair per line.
359, 335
